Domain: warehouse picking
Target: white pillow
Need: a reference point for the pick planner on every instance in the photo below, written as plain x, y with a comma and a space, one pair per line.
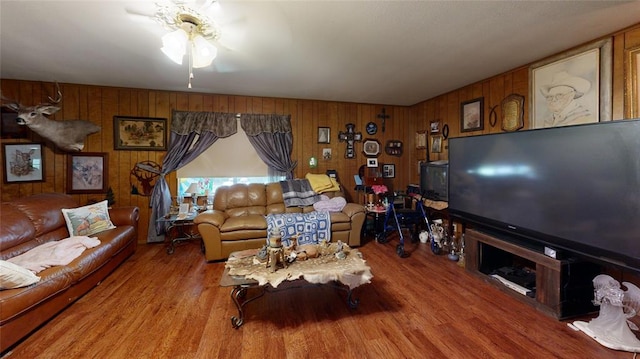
88, 220
14, 276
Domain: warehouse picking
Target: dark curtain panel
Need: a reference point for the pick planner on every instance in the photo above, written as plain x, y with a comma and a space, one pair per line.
271, 136
191, 134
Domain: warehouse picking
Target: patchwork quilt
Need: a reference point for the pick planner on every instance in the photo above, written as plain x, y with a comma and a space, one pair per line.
312, 227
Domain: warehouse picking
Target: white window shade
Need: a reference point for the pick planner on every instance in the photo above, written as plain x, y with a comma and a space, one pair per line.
232, 156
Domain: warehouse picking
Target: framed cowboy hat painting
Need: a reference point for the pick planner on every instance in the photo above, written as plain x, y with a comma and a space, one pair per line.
572, 88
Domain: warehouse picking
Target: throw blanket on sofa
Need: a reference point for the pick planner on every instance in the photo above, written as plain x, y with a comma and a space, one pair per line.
298, 193
54, 253
312, 227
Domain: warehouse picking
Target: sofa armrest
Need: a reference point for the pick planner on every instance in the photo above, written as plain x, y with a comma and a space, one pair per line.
213, 217
123, 216
351, 209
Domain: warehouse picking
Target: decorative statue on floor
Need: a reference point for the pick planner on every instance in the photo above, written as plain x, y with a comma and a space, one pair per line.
612, 327
67, 135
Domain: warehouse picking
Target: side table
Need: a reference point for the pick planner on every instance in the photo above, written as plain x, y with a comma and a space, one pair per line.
179, 229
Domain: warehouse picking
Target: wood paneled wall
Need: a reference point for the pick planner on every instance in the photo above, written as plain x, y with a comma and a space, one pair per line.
99, 104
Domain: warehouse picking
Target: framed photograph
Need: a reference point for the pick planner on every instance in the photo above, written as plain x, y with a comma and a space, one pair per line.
512, 112
324, 135
632, 92
388, 170
9, 127
23, 162
572, 88
372, 162
421, 140
371, 147
472, 115
139, 133
436, 144
326, 153
434, 126
87, 172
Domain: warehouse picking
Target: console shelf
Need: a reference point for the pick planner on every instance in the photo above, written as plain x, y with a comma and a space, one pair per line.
563, 287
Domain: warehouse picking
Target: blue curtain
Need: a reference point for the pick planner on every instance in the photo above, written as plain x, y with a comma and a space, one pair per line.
191, 134
272, 139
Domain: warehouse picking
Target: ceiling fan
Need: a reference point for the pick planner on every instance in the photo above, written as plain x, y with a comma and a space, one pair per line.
239, 36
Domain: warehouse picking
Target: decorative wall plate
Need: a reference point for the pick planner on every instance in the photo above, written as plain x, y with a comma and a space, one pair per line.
372, 128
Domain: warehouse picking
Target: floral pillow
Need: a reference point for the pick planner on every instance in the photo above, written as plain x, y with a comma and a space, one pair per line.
88, 220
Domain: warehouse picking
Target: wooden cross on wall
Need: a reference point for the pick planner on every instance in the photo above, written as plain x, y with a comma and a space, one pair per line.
383, 115
351, 136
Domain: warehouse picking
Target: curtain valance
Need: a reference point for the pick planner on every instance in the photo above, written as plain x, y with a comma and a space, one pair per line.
255, 124
219, 123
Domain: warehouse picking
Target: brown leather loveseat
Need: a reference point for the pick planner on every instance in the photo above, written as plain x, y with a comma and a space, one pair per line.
238, 221
31, 221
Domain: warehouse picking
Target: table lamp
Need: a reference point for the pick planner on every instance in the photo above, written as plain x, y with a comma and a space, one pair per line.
193, 189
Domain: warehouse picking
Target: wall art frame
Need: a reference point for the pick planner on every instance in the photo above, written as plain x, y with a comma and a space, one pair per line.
9, 128
23, 162
372, 162
512, 108
472, 115
388, 170
591, 63
632, 92
436, 143
371, 147
421, 140
324, 135
434, 126
139, 133
87, 172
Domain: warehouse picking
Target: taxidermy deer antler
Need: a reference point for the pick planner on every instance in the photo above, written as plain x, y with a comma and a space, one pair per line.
67, 135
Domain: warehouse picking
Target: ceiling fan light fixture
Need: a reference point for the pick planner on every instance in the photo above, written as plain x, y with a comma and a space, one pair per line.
191, 34
174, 45
202, 52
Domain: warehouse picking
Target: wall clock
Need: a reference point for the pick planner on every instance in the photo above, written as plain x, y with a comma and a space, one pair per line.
372, 128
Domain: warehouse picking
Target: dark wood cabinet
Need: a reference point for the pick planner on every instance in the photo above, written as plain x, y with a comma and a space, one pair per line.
563, 288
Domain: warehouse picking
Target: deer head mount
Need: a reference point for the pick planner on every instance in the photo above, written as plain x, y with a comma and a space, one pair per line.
68, 135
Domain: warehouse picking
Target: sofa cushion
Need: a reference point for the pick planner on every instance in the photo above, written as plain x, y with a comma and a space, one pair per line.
88, 220
13, 276
248, 222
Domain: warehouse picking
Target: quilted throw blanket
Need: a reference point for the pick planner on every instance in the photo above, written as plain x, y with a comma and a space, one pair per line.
312, 227
298, 193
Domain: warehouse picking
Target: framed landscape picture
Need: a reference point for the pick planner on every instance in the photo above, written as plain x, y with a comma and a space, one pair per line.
472, 115
139, 133
87, 172
23, 162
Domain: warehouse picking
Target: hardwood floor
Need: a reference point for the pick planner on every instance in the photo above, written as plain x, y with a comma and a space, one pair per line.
170, 306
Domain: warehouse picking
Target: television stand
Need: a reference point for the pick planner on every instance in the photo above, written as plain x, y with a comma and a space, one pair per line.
563, 288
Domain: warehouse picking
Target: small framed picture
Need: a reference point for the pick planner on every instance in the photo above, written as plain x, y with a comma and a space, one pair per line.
436, 144
87, 172
472, 115
421, 140
388, 170
139, 133
371, 147
372, 162
23, 162
324, 135
326, 153
435, 126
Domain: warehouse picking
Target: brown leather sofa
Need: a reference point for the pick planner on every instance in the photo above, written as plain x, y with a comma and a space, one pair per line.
30, 221
237, 220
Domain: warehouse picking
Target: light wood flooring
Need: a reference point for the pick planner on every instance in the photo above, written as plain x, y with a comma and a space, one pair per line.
171, 306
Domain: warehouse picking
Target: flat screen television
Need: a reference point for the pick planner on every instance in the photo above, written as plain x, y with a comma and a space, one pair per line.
434, 180
575, 188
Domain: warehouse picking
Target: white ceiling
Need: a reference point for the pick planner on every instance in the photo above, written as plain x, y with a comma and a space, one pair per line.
380, 52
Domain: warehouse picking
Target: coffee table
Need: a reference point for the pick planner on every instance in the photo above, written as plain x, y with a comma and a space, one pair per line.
243, 271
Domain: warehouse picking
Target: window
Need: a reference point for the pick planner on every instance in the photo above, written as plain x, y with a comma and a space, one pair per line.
228, 161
